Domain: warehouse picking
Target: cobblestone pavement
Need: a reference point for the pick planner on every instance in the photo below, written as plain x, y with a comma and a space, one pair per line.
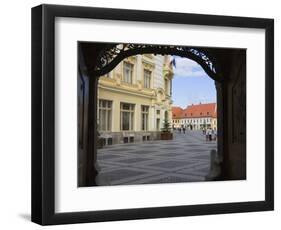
186, 158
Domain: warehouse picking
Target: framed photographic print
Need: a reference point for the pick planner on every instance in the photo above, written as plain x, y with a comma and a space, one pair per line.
143, 114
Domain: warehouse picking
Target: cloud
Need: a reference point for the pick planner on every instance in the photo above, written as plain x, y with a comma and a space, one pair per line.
187, 68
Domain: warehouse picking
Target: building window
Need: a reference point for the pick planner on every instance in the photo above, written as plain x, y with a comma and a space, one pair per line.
158, 112
146, 78
105, 115
127, 116
144, 117
158, 124
128, 72
126, 139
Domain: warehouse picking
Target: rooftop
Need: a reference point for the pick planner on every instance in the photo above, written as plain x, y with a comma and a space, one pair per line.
195, 111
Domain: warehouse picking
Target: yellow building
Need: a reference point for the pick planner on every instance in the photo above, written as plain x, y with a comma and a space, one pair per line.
134, 99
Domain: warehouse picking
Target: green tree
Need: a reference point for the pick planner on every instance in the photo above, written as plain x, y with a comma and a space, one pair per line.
166, 126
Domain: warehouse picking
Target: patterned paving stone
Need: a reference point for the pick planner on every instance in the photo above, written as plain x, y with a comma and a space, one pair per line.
172, 148
144, 151
202, 157
168, 178
172, 179
106, 157
118, 150
186, 158
133, 160
171, 155
195, 171
169, 164
121, 173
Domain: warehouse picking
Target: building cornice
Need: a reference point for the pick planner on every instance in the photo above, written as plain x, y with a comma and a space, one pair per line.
134, 92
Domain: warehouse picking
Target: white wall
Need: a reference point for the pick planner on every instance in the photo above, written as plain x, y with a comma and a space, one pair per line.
15, 114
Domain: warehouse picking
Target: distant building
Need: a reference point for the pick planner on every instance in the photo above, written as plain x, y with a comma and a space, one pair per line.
195, 117
135, 98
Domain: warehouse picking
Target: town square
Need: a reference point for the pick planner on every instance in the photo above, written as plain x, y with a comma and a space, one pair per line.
144, 138
186, 158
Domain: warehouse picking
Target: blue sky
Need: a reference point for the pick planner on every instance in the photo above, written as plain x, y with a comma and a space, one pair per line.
191, 85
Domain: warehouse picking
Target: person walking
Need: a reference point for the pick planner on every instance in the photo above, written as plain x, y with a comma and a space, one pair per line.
183, 129
207, 134
210, 134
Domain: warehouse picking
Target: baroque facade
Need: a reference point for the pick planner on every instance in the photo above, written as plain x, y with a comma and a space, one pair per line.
134, 99
195, 117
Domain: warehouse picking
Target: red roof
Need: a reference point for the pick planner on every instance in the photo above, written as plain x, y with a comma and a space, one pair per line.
177, 111
194, 111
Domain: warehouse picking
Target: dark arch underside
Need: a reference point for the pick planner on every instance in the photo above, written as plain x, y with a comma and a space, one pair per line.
112, 54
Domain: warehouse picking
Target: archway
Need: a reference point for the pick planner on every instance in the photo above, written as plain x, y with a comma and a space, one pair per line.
96, 60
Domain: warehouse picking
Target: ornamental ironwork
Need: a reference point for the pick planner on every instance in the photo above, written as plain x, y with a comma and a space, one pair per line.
113, 54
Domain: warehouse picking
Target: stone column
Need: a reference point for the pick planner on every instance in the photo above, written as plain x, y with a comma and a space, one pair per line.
92, 139
220, 119
152, 118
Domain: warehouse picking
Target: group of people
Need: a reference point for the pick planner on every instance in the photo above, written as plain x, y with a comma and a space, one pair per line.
211, 134
183, 129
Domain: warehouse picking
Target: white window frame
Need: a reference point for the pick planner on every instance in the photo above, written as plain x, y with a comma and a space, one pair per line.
145, 114
131, 112
130, 67
147, 78
105, 122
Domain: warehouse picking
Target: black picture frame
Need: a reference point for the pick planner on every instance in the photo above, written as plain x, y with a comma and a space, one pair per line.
43, 110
